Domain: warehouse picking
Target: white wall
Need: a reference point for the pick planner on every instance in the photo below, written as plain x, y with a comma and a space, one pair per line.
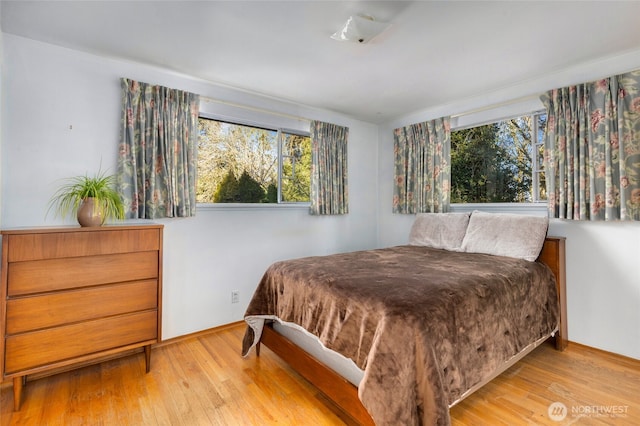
603, 282
61, 118
1, 103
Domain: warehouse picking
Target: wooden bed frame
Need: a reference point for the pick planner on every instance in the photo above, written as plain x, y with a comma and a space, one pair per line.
345, 395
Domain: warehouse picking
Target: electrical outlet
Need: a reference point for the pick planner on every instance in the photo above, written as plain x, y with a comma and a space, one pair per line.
235, 296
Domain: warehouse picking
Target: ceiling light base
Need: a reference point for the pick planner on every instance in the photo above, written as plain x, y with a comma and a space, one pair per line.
360, 29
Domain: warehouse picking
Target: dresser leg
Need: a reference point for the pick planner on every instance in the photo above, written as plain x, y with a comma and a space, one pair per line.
17, 391
147, 358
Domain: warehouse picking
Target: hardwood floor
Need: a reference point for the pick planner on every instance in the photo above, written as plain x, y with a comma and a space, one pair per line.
202, 380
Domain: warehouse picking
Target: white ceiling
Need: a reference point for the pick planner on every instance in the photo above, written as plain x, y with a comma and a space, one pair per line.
435, 53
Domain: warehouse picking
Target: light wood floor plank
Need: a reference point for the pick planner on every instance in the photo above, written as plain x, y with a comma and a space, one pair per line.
203, 380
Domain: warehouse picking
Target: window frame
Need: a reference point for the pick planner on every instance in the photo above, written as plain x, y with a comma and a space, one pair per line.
538, 207
302, 205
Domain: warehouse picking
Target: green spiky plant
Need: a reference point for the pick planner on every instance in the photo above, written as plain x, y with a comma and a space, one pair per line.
68, 198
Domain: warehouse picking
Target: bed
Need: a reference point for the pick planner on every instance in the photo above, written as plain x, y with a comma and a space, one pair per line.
422, 325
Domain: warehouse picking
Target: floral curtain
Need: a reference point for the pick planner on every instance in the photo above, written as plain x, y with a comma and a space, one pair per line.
157, 158
329, 189
592, 149
422, 156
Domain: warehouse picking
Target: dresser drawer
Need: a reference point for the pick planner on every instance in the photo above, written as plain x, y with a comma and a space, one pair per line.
38, 276
86, 242
55, 309
40, 348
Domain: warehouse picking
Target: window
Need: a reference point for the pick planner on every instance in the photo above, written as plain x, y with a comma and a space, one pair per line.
239, 163
500, 162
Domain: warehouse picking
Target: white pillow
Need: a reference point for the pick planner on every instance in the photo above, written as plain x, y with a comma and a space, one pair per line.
503, 234
439, 230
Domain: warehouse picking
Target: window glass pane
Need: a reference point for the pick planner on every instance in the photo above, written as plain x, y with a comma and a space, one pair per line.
239, 164
494, 163
542, 187
236, 163
296, 168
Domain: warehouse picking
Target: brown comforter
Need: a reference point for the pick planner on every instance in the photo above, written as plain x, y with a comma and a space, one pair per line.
424, 324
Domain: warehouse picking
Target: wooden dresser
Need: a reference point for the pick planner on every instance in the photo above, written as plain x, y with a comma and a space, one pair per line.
71, 296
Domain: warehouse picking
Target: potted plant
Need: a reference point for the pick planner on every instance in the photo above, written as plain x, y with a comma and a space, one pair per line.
92, 199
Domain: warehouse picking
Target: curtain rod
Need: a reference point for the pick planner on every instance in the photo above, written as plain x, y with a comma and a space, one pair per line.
495, 106
256, 109
298, 118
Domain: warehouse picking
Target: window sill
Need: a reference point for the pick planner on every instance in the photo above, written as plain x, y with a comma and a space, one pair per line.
536, 209
250, 206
